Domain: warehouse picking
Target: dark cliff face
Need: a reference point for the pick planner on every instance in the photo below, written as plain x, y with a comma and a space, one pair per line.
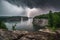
25, 35
40, 22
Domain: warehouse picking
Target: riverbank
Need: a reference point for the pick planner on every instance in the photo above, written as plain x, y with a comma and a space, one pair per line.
25, 35
50, 20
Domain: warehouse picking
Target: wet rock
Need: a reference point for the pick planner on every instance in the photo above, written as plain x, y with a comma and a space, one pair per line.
25, 35
23, 38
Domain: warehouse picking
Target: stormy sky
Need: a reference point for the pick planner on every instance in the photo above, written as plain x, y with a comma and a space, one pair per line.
28, 8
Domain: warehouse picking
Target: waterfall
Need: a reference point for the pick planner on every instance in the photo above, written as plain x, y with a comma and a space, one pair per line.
21, 19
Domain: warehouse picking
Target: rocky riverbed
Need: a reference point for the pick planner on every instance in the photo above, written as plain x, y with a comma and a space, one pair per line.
25, 35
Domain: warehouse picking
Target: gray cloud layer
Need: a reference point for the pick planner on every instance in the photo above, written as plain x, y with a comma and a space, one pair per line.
7, 9
37, 3
27, 7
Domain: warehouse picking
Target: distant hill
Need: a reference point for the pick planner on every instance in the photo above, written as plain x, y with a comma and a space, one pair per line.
12, 18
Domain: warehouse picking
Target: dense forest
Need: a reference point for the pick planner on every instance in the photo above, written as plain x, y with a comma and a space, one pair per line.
53, 19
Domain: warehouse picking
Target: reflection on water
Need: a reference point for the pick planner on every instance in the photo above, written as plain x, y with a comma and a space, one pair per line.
21, 25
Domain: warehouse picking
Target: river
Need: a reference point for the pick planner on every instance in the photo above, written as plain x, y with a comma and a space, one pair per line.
21, 25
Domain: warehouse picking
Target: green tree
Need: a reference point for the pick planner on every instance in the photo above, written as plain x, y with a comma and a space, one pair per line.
50, 19
56, 19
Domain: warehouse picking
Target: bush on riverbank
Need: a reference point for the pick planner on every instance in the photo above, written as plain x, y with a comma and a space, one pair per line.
2, 25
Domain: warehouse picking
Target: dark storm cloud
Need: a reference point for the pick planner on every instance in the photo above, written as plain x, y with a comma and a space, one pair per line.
28, 7
37, 3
